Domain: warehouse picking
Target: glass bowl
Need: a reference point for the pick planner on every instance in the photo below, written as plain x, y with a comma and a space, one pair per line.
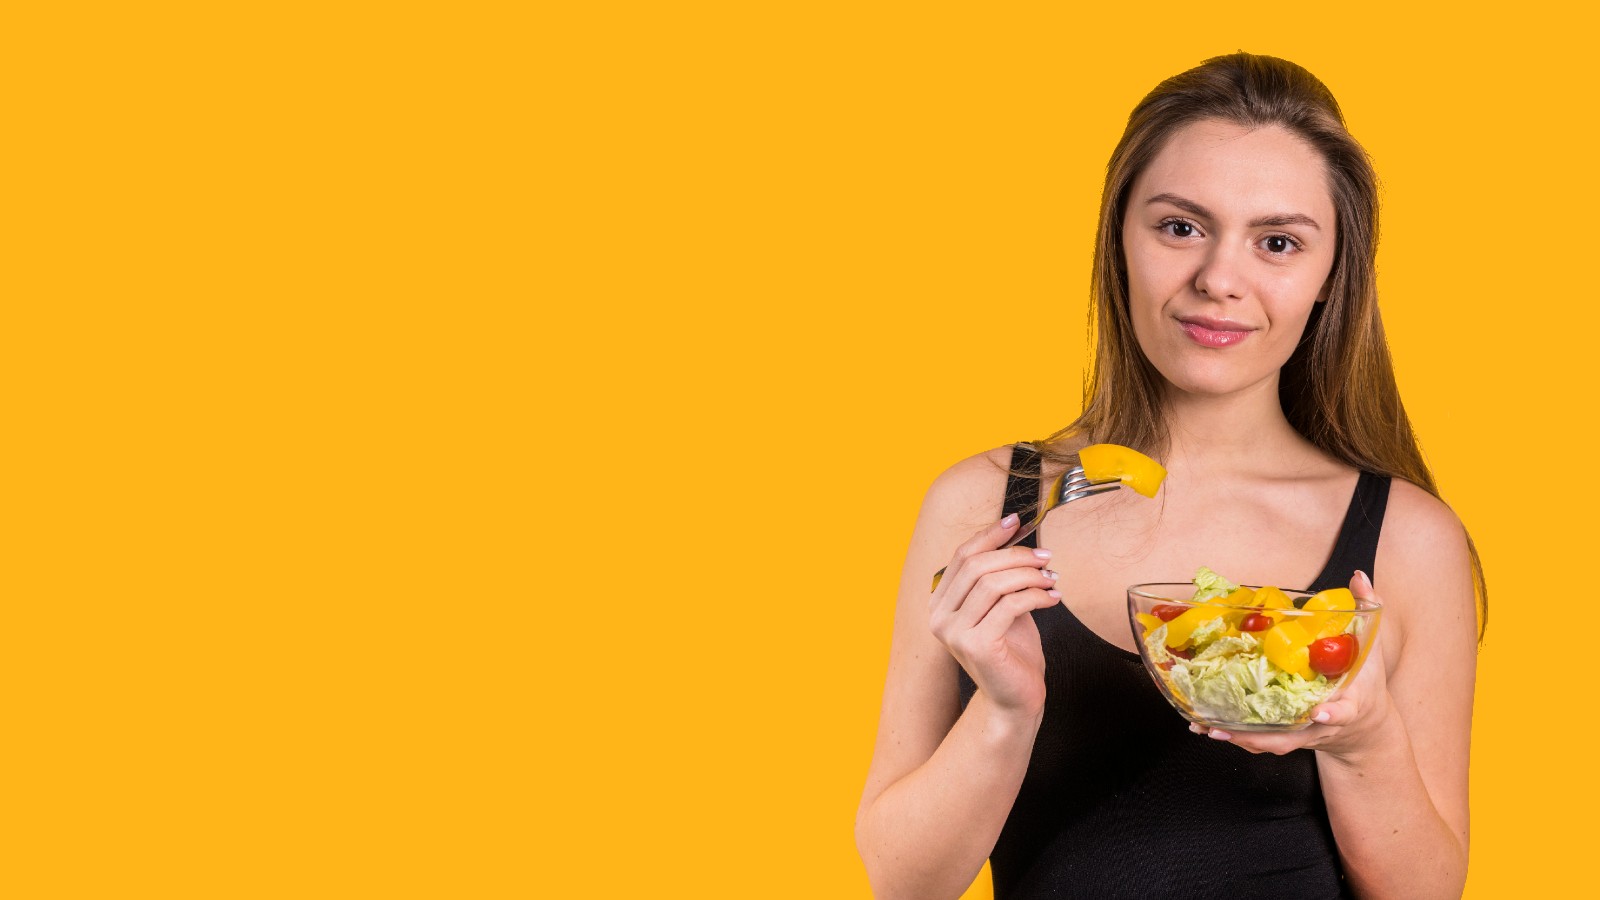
1256, 660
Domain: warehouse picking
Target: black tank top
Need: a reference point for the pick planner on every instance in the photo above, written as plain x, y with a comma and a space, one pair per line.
1121, 800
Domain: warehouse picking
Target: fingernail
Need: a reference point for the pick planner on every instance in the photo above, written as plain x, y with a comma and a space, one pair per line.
1051, 575
1041, 552
1320, 717
1194, 728
1054, 594
1009, 521
1220, 735
1365, 581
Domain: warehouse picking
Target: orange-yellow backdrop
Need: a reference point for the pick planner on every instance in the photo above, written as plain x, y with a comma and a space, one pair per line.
462, 451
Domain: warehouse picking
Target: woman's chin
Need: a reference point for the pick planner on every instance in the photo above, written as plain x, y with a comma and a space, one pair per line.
1215, 384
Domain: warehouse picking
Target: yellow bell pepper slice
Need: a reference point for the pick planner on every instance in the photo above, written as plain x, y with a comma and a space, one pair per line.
1241, 597
1329, 623
1113, 462
1272, 598
1182, 628
1150, 623
1285, 645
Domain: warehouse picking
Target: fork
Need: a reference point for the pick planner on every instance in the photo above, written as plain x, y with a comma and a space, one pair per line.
1069, 486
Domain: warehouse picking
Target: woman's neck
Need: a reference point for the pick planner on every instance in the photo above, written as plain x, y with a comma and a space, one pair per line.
1243, 432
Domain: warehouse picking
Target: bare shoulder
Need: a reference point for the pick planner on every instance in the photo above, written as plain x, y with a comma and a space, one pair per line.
969, 493
1424, 568
1422, 530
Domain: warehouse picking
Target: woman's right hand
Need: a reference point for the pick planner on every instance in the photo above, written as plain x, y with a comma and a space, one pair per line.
981, 612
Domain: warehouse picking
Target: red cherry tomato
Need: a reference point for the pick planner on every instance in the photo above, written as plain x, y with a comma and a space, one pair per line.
1166, 612
1333, 656
1255, 622
1181, 654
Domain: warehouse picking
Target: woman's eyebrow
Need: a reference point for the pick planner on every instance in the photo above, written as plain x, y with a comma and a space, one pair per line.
1193, 208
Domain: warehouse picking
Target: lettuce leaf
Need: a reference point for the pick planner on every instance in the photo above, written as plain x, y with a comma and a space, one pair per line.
1232, 681
1208, 584
1206, 632
1219, 691
1155, 644
1288, 698
1228, 646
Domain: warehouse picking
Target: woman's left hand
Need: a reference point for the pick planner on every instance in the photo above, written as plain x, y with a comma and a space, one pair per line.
1346, 726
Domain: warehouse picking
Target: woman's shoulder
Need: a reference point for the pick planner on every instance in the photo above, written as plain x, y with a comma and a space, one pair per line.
971, 490
1417, 521
1423, 555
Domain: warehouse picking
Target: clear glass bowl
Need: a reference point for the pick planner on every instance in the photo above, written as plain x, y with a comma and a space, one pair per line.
1255, 667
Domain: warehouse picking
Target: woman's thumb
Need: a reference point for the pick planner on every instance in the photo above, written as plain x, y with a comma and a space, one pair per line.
1361, 586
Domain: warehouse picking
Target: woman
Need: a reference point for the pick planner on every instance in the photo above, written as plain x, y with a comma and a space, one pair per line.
1239, 342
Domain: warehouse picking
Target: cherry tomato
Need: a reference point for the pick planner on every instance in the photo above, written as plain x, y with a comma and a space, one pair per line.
1166, 612
1333, 656
1181, 654
1255, 622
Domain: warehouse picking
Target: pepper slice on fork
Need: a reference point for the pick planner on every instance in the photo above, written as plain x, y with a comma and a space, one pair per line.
1105, 467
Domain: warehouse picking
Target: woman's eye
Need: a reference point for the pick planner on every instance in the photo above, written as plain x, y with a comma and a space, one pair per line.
1276, 244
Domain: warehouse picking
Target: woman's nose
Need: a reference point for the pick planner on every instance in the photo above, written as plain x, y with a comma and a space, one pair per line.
1221, 276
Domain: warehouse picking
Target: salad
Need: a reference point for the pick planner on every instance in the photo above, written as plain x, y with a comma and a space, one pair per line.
1265, 665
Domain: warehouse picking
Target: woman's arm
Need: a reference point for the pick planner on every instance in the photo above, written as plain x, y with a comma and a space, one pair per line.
1393, 753
1399, 805
927, 834
942, 781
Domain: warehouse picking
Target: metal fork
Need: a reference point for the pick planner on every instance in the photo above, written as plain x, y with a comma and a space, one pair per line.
1069, 486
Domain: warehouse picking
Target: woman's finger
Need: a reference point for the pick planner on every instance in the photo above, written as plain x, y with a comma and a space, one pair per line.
987, 538
996, 586
1253, 742
1340, 712
1010, 608
1261, 742
1361, 586
959, 585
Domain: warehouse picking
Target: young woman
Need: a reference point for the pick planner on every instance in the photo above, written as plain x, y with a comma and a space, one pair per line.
1239, 342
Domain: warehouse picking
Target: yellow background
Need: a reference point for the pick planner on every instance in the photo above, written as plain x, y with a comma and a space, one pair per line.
460, 451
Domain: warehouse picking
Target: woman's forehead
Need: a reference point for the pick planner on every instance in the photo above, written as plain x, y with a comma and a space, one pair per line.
1236, 172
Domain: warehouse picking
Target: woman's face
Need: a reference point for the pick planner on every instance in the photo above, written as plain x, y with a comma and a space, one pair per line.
1229, 240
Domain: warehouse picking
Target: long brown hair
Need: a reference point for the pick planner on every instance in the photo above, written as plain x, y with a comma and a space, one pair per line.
1338, 387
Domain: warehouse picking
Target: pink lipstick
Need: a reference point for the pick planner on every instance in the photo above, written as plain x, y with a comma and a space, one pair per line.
1213, 332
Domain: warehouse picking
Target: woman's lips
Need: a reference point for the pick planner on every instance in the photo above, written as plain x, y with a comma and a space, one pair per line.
1213, 334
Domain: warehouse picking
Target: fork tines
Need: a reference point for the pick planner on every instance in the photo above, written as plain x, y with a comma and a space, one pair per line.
1074, 485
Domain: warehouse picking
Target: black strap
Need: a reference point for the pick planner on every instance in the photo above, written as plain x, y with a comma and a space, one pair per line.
1357, 546
1022, 491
